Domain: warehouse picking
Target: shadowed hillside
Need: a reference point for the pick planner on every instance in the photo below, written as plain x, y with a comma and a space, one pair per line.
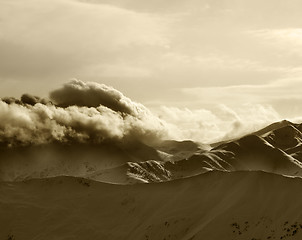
215, 205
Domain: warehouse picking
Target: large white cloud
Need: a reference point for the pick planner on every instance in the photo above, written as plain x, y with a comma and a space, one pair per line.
91, 112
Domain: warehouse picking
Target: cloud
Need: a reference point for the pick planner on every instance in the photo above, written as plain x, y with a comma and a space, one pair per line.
126, 43
41, 124
285, 36
42, 40
220, 123
91, 113
92, 94
32, 100
283, 96
258, 94
283, 45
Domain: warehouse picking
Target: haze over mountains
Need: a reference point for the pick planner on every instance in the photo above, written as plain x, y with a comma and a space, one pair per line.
92, 164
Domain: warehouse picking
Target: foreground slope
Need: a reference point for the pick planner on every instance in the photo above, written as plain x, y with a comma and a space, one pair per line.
214, 205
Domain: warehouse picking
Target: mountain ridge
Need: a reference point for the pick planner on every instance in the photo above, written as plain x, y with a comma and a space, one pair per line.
276, 148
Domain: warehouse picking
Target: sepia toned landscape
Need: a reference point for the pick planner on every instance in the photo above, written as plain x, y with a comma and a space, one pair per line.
149, 120
92, 165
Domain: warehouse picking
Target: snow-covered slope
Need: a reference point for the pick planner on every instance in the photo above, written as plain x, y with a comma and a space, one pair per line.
255, 153
276, 149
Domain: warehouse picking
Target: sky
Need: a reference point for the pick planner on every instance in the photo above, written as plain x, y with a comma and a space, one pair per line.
194, 63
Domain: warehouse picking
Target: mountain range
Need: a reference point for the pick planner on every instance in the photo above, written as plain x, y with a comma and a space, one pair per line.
245, 188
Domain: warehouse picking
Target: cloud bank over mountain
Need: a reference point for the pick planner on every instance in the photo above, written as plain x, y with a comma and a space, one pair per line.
91, 112
84, 112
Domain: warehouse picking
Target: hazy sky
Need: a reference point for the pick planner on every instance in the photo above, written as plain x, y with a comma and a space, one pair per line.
183, 56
